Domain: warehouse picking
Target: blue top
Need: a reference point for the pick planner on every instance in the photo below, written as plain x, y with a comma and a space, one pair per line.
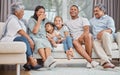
102, 23
40, 37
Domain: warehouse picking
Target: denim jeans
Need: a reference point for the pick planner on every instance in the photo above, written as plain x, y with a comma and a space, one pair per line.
23, 39
67, 43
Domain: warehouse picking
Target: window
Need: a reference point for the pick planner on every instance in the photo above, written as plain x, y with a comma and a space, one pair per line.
58, 8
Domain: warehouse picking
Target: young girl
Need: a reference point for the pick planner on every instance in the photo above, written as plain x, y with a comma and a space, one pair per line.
52, 34
65, 36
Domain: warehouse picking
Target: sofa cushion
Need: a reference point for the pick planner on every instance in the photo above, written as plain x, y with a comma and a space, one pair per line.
60, 47
12, 47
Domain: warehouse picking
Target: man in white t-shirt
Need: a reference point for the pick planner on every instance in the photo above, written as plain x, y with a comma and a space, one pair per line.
79, 29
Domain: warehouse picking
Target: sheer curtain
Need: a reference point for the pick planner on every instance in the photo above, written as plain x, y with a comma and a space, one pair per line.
113, 9
5, 8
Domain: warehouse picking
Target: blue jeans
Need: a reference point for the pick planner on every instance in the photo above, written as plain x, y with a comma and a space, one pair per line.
23, 39
67, 43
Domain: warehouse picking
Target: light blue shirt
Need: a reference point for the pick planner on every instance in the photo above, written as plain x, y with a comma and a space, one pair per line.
62, 31
103, 23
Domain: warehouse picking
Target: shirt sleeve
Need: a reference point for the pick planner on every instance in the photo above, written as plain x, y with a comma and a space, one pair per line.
31, 24
111, 24
13, 27
85, 22
65, 28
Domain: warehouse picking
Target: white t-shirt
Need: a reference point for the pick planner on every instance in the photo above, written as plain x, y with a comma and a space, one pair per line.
76, 26
14, 25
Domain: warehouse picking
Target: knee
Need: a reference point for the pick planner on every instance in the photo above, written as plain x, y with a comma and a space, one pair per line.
74, 42
105, 35
88, 36
23, 38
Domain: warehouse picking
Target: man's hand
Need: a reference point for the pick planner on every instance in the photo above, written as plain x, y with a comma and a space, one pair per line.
100, 34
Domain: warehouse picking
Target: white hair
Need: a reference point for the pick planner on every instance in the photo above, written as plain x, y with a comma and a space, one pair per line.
101, 7
16, 6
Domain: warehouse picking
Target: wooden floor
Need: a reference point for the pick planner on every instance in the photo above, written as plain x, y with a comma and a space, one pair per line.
10, 72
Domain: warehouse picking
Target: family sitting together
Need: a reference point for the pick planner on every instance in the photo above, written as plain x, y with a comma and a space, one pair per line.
40, 35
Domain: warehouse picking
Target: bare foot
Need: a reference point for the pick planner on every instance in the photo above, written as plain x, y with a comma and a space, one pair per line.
108, 65
71, 52
68, 54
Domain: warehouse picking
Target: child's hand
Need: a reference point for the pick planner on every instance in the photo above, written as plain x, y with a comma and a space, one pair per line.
59, 41
49, 38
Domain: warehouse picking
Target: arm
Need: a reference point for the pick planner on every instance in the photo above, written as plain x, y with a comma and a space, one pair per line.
66, 31
52, 41
99, 35
110, 28
86, 32
23, 33
85, 28
37, 25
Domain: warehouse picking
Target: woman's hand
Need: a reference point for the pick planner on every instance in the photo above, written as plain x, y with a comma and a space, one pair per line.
41, 17
23, 33
37, 25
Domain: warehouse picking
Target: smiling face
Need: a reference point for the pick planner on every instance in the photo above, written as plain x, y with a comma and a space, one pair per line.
40, 12
19, 13
49, 28
98, 12
74, 12
58, 22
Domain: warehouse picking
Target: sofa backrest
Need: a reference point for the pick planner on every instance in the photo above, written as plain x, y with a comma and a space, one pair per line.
1, 28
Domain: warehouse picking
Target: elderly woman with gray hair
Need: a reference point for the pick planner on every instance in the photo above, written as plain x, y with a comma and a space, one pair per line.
15, 30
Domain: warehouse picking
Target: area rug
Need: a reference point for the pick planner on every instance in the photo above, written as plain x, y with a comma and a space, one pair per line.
77, 71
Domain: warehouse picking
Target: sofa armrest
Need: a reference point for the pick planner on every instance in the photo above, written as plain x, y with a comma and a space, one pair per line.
12, 47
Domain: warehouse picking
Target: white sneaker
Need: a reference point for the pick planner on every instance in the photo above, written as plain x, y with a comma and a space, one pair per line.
50, 63
94, 64
89, 65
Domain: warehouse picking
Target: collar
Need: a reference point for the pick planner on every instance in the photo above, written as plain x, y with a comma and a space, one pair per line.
102, 17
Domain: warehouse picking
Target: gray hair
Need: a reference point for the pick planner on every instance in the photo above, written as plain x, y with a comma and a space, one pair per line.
101, 7
16, 6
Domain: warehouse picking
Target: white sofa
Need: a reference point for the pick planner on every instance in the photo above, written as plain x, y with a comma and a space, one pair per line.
12, 52
58, 53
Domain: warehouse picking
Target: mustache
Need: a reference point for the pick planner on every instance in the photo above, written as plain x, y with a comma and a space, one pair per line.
96, 13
